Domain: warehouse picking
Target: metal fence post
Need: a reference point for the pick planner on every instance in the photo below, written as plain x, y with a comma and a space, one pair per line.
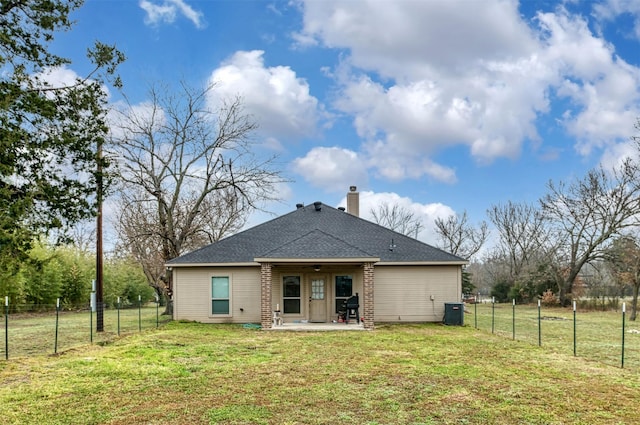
118, 316
574, 328
6, 328
91, 322
475, 311
539, 326
513, 319
139, 313
493, 313
623, 316
55, 345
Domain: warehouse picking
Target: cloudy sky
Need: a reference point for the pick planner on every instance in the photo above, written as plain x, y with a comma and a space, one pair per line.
440, 106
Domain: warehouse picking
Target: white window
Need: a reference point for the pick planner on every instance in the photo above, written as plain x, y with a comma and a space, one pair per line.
220, 298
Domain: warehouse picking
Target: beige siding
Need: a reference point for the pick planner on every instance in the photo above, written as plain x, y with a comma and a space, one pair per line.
192, 294
404, 293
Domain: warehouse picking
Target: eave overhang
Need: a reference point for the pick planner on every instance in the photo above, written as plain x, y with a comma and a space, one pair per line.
422, 263
317, 260
183, 265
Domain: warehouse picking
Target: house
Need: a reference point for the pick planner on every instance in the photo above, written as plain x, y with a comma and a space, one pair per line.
307, 263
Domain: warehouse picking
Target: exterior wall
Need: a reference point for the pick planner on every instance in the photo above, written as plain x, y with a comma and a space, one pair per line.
400, 293
404, 293
192, 294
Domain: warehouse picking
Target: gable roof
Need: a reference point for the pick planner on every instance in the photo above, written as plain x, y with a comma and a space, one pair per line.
321, 232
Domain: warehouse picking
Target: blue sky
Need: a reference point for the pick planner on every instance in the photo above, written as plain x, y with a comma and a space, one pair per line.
440, 106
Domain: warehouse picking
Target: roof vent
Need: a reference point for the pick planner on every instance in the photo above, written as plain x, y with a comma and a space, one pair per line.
341, 208
318, 205
298, 206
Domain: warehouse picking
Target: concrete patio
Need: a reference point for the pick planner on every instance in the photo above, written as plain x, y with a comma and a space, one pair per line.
299, 326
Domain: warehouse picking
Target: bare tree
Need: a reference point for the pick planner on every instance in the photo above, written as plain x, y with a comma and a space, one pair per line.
459, 237
188, 175
587, 213
397, 218
522, 235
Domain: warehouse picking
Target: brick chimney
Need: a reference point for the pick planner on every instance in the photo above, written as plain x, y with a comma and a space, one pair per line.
353, 201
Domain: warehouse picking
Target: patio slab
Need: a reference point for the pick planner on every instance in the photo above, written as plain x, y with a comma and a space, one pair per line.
293, 326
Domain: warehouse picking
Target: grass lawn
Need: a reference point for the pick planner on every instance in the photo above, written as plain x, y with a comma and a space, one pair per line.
35, 333
598, 334
187, 373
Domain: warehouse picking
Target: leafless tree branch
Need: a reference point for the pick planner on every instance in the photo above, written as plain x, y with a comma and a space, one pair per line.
189, 175
459, 237
398, 219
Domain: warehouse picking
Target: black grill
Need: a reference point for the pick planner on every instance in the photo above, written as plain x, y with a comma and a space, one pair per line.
352, 306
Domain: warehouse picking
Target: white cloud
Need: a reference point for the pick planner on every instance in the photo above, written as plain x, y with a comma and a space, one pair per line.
493, 111
615, 156
59, 76
604, 90
168, 11
396, 38
609, 10
143, 113
475, 80
278, 99
425, 213
419, 77
396, 167
62, 76
331, 169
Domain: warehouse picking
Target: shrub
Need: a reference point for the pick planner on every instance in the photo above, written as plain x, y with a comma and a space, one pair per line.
549, 299
501, 291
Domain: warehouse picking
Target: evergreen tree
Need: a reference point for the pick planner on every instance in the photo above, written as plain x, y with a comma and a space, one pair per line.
48, 133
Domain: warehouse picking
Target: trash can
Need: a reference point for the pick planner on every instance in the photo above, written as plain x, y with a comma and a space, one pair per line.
454, 314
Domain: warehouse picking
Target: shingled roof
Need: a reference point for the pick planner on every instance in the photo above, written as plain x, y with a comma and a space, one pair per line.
317, 231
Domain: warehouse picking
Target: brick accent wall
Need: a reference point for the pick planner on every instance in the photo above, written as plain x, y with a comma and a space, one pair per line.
367, 308
265, 290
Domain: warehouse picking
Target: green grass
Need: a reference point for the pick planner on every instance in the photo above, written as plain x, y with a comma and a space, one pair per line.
598, 334
188, 373
35, 333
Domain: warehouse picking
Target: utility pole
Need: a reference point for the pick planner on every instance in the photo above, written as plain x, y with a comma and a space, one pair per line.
99, 253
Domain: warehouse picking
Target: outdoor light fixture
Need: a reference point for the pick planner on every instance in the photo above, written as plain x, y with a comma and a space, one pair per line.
316, 268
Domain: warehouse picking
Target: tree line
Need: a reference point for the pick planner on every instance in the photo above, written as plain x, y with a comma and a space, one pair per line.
47, 273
